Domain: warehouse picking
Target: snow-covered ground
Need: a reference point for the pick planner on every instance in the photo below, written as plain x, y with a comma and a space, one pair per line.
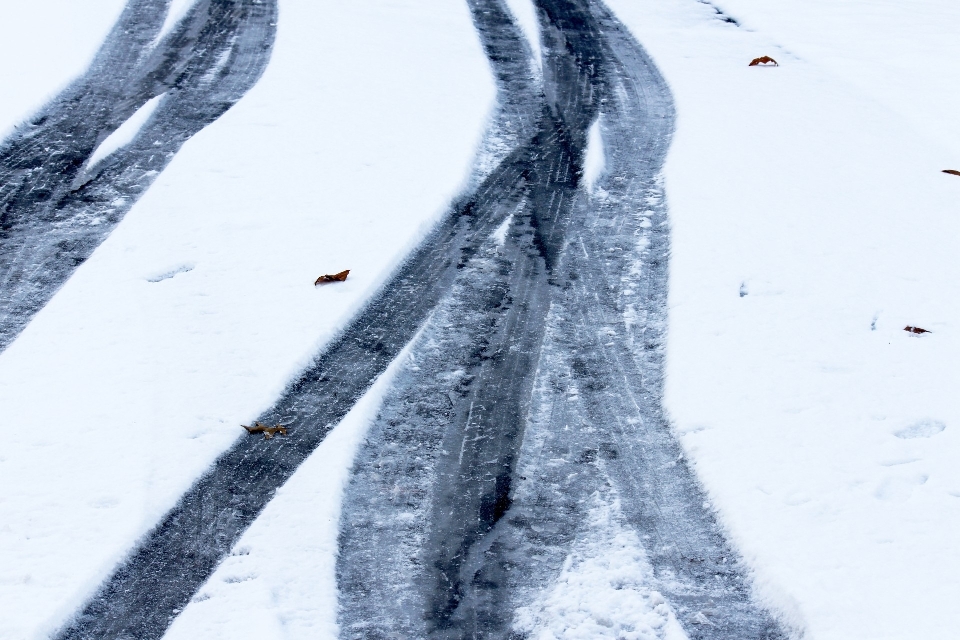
43, 46
190, 319
895, 52
811, 223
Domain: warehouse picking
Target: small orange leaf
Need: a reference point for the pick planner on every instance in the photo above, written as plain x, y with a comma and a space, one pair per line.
268, 432
336, 277
763, 60
916, 330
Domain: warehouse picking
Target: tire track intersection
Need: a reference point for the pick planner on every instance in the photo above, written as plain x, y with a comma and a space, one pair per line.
538, 311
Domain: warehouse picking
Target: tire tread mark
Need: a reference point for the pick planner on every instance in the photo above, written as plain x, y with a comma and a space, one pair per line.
166, 568
54, 210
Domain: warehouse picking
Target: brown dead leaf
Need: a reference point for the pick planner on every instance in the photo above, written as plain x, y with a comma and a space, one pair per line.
952, 171
268, 432
763, 60
336, 277
916, 330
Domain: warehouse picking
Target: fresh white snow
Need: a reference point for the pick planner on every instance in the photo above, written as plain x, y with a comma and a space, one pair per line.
193, 315
125, 133
900, 53
280, 581
816, 193
810, 219
44, 44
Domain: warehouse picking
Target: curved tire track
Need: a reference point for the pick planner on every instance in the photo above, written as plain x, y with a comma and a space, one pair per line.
435, 475
602, 370
474, 482
166, 568
54, 211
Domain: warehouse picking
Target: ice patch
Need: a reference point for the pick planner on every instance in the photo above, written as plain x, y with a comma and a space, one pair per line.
125, 133
595, 161
925, 428
603, 590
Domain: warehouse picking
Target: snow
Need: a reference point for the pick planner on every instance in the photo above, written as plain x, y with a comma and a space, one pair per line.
175, 12
125, 133
811, 224
594, 161
44, 44
603, 589
194, 314
280, 580
500, 233
895, 52
525, 13
926, 428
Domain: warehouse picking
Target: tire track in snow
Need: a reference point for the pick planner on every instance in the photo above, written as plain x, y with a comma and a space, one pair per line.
54, 209
435, 475
468, 494
167, 567
598, 419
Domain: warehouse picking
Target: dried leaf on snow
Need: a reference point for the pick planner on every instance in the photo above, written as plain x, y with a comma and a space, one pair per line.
267, 431
335, 277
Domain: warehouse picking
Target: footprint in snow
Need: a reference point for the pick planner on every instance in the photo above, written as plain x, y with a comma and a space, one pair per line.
926, 428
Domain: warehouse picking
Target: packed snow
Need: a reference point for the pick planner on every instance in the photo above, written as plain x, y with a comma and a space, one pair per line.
595, 161
811, 223
603, 590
